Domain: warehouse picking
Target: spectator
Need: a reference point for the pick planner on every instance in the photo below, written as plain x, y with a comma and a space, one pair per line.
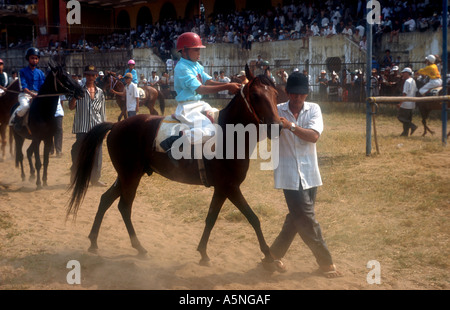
387, 59
154, 80
223, 79
58, 137
347, 31
165, 84
395, 31
330, 31
323, 85
315, 29
375, 83
89, 111
333, 88
406, 108
410, 25
363, 44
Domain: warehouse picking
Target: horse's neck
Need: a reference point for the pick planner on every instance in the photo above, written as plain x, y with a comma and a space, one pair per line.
49, 85
234, 113
45, 106
118, 85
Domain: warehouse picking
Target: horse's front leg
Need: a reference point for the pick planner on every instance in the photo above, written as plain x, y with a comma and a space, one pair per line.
239, 201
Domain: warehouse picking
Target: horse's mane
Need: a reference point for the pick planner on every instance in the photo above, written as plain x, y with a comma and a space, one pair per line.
262, 78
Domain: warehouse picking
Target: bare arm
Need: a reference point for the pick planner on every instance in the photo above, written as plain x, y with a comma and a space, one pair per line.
72, 103
213, 87
308, 135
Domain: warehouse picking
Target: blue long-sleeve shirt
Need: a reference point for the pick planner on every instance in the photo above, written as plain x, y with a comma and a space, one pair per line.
31, 79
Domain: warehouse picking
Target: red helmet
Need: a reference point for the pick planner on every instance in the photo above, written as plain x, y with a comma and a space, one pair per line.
189, 40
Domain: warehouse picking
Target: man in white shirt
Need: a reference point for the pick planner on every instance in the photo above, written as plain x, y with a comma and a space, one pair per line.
406, 108
223, 79
410, 24
298, 174
131, 94
315, 29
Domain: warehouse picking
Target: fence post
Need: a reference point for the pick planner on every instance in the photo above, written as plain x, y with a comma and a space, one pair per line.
368, 85
444, 70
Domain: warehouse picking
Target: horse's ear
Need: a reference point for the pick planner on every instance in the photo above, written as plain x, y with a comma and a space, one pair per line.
248, 73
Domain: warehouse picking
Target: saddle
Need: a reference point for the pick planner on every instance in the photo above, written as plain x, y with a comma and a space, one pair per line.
434, 91
170, 129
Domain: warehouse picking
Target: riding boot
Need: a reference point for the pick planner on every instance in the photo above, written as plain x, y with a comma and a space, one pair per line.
167, 143
167, 147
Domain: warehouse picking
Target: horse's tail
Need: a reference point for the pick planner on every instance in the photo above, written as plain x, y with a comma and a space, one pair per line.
84, 165
162, 102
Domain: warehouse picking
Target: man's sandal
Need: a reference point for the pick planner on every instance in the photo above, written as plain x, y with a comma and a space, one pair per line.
332, 273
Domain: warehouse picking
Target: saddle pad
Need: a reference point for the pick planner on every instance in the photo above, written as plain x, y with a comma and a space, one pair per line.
141, 93
170, 126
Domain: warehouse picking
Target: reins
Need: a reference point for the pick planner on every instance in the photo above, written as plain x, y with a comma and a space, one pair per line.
55, 80
249, 106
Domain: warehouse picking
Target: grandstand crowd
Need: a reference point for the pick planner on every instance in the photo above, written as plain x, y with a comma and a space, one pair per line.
295, 21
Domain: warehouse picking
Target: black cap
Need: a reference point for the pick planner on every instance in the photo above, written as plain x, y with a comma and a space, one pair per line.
297, 83
90, 69
32, 51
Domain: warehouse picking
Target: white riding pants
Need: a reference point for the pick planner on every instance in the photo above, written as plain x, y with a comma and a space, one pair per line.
200, 127
24, 104
430, 85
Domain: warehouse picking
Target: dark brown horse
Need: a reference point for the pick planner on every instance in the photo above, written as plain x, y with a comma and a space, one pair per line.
110, 81
131, 149
425, 108
7, 101
42, 122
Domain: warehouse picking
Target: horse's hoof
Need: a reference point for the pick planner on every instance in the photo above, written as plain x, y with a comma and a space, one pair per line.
205, 262
32, 177
93, 250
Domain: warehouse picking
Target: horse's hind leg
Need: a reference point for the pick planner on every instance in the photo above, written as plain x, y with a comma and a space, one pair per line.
214, 209
105, 202
30, 162
47, 148
125, 205
3, 137
19, 154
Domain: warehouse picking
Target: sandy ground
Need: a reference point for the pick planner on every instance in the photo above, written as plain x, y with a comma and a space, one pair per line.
36, 244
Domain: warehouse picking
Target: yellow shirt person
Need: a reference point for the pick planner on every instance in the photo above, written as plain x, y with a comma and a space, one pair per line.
432, 71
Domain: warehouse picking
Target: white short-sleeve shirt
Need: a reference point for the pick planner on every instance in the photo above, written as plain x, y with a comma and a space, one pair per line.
132, 93
298, 158
410, 89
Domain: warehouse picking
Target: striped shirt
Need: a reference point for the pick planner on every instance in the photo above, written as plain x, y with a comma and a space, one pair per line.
89, 112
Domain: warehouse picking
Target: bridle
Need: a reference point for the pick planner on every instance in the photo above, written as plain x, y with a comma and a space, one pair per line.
111, 84
247, 103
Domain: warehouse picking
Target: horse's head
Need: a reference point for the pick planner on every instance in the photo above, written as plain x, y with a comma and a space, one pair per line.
63, 81
260, 96
110, 81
